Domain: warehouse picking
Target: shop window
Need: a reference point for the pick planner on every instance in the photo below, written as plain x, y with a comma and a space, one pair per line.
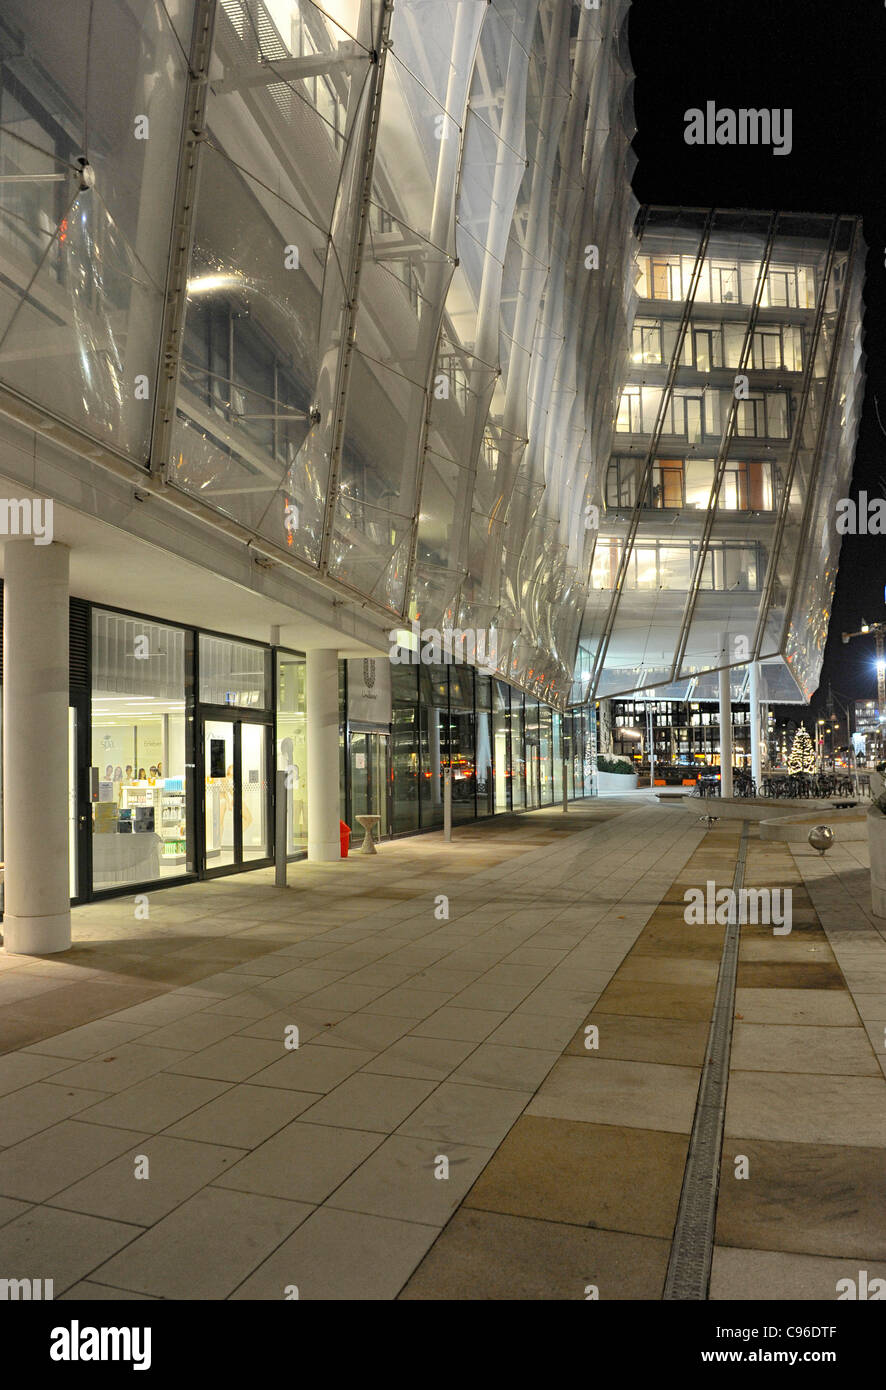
292, 745
139, 718
500, 738
234, 673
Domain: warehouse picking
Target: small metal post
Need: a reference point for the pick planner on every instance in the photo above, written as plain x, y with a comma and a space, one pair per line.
280, 807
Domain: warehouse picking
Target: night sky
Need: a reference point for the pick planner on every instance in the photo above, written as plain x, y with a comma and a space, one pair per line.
826, 61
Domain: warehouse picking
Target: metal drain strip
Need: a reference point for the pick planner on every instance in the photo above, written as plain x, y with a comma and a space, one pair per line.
689, 1268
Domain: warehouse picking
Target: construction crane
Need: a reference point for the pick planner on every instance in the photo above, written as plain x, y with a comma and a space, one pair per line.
878, 632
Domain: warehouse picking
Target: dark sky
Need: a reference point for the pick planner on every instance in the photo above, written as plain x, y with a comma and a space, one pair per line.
826, 60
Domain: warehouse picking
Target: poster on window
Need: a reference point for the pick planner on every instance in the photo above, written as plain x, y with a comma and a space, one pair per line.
369, 691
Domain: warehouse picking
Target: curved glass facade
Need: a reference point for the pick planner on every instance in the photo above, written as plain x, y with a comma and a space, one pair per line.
359, 281
359, 291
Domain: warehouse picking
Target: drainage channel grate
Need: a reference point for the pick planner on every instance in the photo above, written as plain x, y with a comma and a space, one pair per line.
689, 1268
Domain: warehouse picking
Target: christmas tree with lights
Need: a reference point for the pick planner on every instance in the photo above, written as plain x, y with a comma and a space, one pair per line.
802, 755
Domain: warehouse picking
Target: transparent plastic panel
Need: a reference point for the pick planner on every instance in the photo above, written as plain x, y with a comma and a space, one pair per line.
90, 122
250, 358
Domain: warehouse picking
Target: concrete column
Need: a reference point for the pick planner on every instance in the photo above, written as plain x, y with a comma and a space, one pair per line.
756, 725
725, 735
37, 914
321, 689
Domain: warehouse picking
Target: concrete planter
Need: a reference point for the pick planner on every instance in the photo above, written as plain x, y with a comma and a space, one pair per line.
877, 847
616, 781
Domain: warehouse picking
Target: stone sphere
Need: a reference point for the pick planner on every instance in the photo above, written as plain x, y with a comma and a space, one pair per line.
821, 837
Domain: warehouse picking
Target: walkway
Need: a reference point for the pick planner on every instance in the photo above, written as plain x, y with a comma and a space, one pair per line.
443, 1130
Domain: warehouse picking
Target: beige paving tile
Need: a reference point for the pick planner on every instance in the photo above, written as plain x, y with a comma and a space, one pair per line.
164, 1009
190, 1034
302, 1162
64, 1245
233, 1059
460, 1025
670, 970
344, 996
542, 1032
871, 1007
47, 1162
313, 1068
807, 1109
813, 1199
372, 1032
477, 1115
342, 1255
821, 1007
609, 1092
120, 1069
425, 1058
680, 1042
204, 1248
90, 1039
655, 999
18, 1069
407, 1002
602, 1176
10, 1208
410, 1180
511, 1068
154, 1103
86, 1291
536, 1260
242, 1117
27, 1111
369, 1102
802, 1048
177, 1168
310, 1023
771, 1275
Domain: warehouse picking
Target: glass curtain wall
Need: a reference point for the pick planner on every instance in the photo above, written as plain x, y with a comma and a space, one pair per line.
484, 741
462, 742
545, 754
433, 744
501, 735
518, 753
454, 716
404, 750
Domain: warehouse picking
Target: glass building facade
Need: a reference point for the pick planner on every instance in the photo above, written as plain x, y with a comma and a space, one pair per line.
734, 436
506, 750
331, 271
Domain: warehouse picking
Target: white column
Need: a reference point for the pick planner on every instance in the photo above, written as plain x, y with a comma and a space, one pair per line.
756, 724
321, 688
37, 913
725, 734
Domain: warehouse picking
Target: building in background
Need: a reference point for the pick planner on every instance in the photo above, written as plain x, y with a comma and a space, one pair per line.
717, 549
869, 726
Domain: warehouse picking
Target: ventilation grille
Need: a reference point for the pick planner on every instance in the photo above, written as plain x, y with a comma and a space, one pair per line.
78, 645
